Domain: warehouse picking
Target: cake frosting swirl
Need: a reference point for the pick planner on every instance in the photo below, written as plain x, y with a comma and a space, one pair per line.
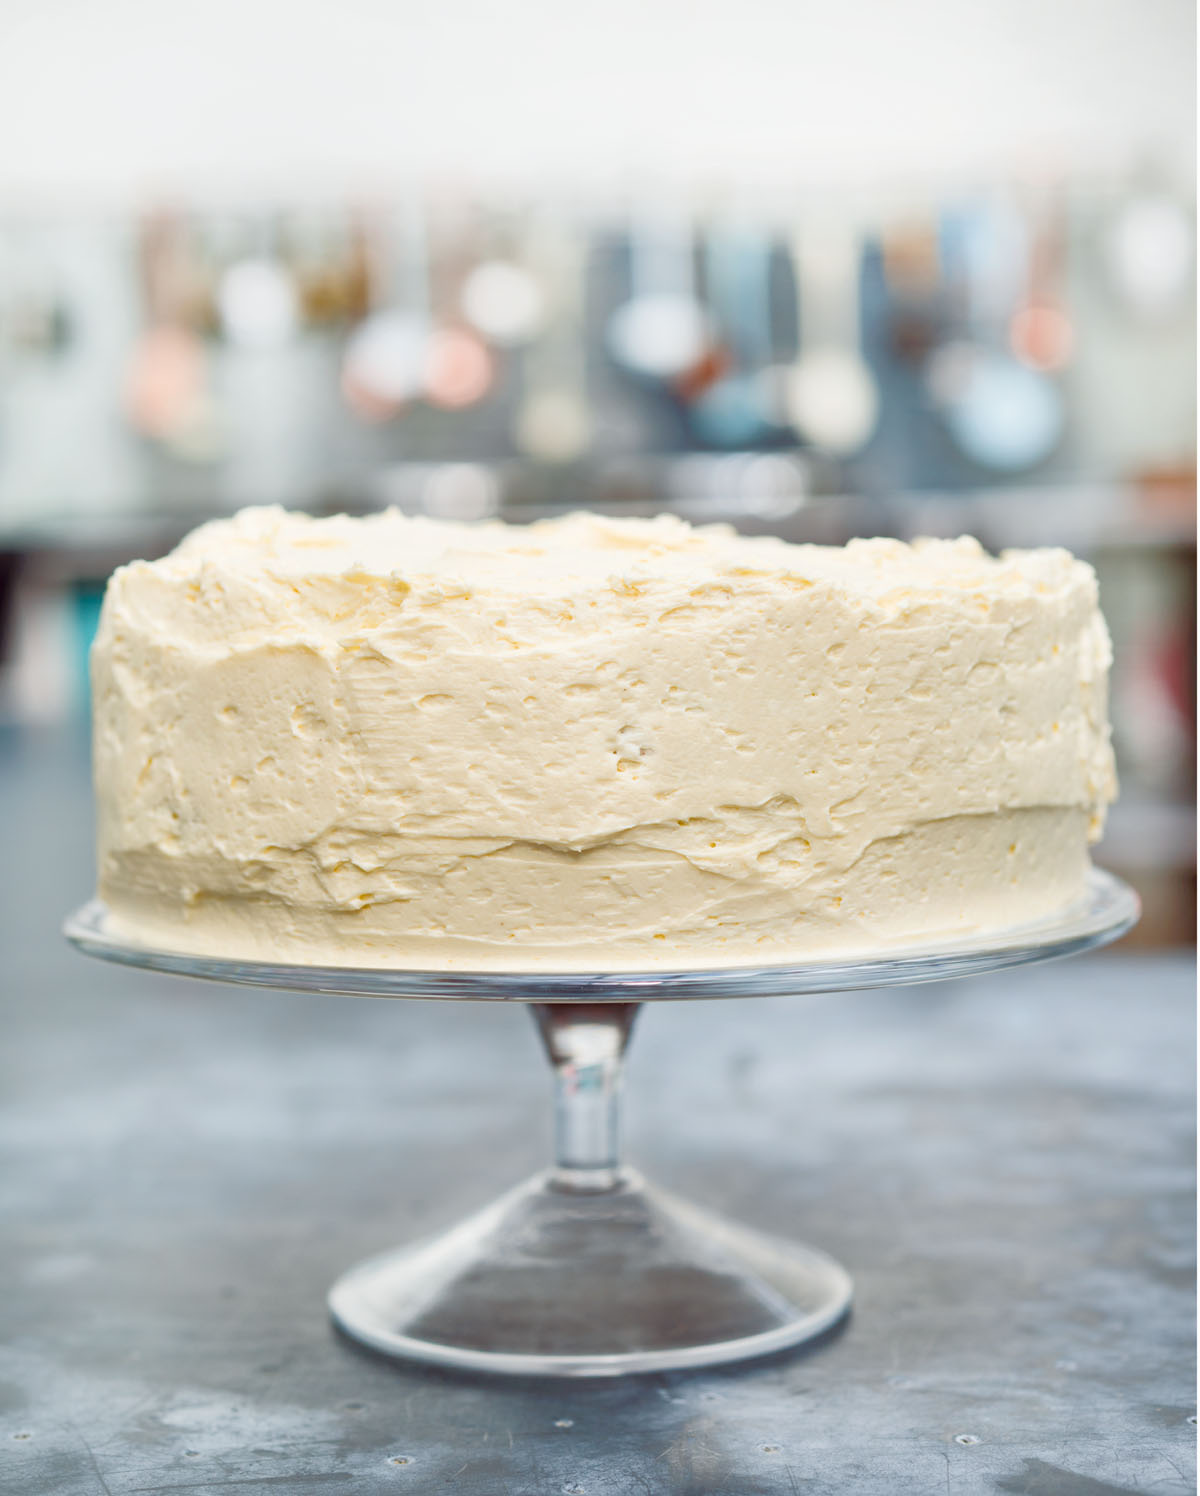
590, 743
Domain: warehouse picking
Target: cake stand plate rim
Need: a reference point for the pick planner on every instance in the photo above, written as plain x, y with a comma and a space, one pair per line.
1108, 910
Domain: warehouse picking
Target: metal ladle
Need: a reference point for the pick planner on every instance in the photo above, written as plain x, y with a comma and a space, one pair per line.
734, 411
829, 393
553, 422
384, 363
662, 331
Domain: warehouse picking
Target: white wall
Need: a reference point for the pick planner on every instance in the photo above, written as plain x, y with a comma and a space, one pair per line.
112, 98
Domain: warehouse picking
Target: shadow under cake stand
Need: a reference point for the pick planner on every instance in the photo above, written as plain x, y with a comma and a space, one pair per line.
587, 1270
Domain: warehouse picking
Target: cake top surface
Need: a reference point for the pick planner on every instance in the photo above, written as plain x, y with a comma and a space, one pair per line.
586, 552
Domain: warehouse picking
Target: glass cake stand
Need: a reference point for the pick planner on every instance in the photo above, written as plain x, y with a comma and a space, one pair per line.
587, 1270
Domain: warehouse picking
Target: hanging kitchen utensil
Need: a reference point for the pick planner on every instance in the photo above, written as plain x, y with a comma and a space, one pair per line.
257, 302
1149, 253
384, 363
504, 302
500, 296
459, 369
167, 387
553, 420
734, 410
909, 255
662, 331
830, 394
35, 316
1040, 333
325, 255
1001, 413
1005, 415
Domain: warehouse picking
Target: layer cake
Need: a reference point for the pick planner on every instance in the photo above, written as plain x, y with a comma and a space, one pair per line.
590, 743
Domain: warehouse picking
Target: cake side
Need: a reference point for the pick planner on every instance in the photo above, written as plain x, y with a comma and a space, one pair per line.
590, 742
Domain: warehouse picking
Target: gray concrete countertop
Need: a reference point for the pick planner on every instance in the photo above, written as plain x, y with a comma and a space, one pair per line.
1004, 1164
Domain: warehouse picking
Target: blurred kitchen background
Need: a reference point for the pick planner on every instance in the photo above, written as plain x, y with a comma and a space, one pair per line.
862, 269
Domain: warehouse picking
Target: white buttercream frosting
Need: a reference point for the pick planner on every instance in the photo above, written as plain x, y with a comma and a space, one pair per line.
590, 743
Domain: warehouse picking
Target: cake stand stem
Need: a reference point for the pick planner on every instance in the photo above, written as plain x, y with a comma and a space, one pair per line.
586, 1045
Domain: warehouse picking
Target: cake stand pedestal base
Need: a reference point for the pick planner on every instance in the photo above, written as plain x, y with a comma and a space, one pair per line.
555, 1279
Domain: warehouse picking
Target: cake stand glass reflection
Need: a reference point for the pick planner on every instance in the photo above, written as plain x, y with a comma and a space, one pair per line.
587, 1270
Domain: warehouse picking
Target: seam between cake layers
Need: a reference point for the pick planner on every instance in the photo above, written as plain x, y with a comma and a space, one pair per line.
735, 929
437, 864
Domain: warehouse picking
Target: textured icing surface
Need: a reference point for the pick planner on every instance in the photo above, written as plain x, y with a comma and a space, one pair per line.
590, 742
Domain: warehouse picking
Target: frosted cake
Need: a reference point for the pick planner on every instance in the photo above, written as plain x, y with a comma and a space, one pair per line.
590, 743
